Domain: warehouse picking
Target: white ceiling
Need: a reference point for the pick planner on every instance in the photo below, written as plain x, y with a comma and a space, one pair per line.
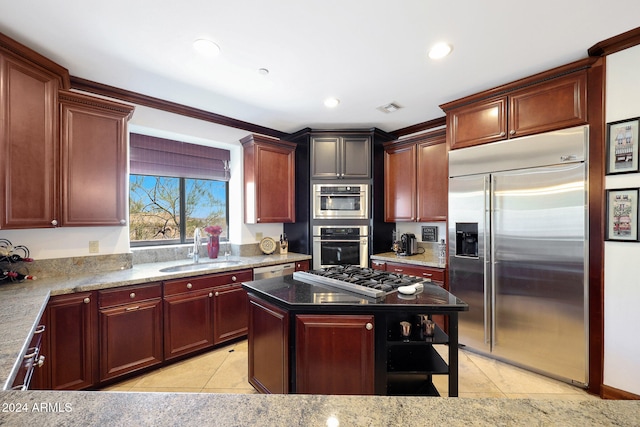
365, 52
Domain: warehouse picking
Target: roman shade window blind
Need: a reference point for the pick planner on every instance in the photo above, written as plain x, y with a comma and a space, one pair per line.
165, 157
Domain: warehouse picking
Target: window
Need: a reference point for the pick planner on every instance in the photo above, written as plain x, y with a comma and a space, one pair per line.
171, 191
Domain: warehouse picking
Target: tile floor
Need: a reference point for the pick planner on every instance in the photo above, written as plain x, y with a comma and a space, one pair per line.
224, 370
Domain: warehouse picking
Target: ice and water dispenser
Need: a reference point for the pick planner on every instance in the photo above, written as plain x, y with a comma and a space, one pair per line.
467, 239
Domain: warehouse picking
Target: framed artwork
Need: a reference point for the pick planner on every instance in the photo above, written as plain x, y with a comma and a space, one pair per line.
622, 146
622, 215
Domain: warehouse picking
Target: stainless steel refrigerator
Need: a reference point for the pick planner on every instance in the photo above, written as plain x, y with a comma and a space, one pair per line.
518, 250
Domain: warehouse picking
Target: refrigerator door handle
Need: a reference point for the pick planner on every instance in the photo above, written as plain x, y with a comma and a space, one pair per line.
492, 256
487, 258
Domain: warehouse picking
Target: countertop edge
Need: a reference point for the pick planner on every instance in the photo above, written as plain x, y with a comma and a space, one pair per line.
413, 259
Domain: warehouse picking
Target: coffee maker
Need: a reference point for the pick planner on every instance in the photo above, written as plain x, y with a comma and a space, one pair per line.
408, 245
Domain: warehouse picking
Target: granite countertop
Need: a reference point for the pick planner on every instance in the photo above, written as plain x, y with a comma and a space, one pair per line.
425, 259
22, 304
56, 408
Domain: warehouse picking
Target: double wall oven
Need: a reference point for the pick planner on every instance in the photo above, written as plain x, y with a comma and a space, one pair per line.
340, 245
340, 224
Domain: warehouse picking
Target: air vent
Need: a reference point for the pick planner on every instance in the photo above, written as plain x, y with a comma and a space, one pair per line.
389, 108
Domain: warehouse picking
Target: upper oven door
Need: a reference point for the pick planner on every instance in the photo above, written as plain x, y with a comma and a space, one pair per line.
340, 201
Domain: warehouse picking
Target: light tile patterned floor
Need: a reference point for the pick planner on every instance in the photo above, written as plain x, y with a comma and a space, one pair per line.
224, 370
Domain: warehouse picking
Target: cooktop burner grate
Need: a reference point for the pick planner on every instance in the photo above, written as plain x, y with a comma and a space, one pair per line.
364, 281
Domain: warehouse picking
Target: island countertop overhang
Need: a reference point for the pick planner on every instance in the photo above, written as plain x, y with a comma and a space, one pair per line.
297, 295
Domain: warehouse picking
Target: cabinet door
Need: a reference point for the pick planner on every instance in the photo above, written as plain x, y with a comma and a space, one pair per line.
400, 184
432, 182
268, 347
72, 334
478, 123
188, 323
28, 145
130, 338
269, 180
530, 110
355, 157
229, 313
94, 161
303, 265
335, 354
324, 157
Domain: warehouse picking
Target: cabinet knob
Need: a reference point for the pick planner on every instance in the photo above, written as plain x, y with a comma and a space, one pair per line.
54, 222
189, 286
39, 330
86, 300
233, 278
369, 326
123, 222
512, 132
502, 134
40, 361
210, 294
132, 295
217, 293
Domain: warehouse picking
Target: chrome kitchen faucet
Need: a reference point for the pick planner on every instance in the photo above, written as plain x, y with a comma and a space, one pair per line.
196, 245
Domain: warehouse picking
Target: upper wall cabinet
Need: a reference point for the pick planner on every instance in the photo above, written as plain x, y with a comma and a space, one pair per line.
94, 160
269, 180
548, 101
341, 157
28, 143
416, 179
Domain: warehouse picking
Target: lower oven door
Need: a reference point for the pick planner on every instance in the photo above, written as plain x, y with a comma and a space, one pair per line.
327, 253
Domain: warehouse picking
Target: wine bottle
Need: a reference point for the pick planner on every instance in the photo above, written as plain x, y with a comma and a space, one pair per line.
14, 275
16, 258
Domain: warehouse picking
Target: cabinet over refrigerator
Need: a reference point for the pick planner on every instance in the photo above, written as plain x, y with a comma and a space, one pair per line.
518, 250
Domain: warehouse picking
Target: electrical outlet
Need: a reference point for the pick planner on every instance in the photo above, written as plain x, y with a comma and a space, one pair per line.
94, 246
259, 236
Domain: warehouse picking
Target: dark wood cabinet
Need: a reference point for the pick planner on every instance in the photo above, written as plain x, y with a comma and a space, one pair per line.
230, 319
416, 179
340, 157
552, 100
202, 311
268, 347
269, 180
304, 265
94, 160
72, 337
130, 329
64, 154
432, 179
400, 183
335, 354
28, 144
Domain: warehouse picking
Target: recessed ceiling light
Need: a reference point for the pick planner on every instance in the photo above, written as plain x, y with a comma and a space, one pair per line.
263, 71
440, 50
206, 47
331, 102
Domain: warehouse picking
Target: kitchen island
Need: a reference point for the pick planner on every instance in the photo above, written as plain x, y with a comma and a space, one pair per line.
314, 338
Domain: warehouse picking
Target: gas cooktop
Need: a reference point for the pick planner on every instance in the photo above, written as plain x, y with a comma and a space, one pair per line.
363, 281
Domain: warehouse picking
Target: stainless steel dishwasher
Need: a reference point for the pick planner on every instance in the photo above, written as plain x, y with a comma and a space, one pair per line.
274, 271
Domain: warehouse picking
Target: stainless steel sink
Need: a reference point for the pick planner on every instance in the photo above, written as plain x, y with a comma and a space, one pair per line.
201, 266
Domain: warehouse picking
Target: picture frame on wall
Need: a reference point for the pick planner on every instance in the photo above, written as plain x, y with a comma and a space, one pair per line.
622, 215
622, 146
